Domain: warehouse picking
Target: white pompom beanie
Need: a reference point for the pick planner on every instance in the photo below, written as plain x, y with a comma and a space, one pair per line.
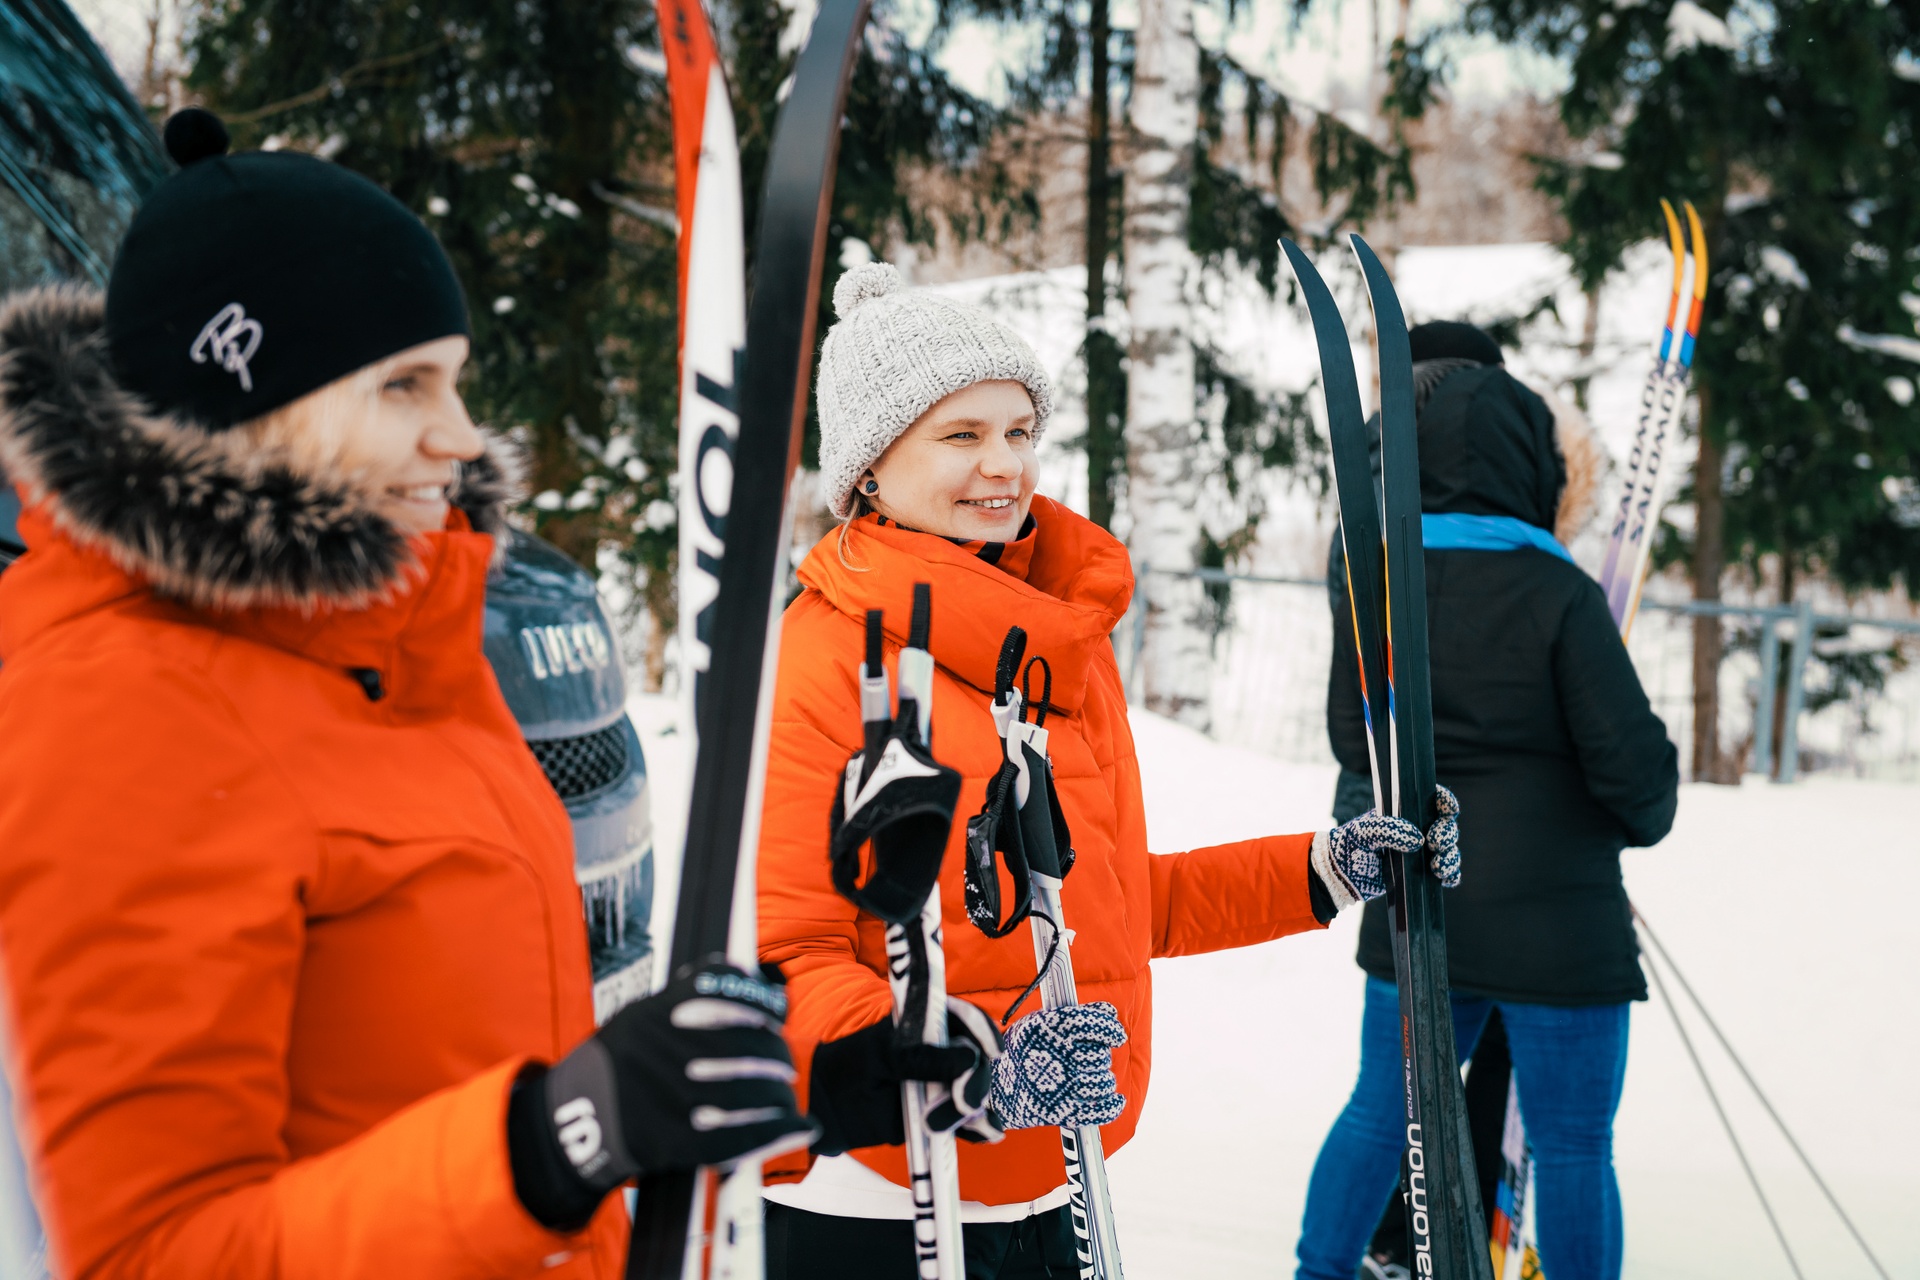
894, 354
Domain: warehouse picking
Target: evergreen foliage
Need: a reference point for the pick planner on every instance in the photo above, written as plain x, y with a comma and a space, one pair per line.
1792, 125
534, 137
1235, 214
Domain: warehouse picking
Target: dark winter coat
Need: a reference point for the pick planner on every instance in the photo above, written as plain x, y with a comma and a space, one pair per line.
1540, 724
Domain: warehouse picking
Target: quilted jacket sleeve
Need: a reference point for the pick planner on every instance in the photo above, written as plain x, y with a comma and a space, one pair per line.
1626, 759
151, 875
1231, 895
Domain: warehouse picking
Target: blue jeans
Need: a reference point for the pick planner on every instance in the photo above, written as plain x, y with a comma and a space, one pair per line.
1569, 1062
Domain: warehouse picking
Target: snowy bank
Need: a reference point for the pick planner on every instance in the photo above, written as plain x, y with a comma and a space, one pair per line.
1785, 906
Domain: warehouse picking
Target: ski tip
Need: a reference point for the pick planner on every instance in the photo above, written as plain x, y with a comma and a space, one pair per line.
922, 624
1389, 317
1303, 269
875, 631
1379, 283
1699, 254
1677, 246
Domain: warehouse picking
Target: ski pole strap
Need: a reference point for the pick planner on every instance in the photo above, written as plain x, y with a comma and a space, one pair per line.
991, 836
1039, 973
1043, 826
903, 810
1045, 704
1021, 821
894, 798
1012, 649
910, 1021
876, 700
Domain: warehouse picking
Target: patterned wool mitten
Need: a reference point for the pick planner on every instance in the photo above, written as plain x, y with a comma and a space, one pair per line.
1058, 1068
1443, 838
1350, 859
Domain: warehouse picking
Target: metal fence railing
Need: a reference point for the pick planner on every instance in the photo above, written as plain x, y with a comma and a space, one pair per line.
1845, 692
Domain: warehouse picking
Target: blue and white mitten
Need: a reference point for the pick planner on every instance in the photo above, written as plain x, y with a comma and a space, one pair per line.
1443, 838
1058, 1068
1351, 859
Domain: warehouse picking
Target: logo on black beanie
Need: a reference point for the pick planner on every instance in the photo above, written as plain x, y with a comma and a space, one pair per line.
231, 339
235, 245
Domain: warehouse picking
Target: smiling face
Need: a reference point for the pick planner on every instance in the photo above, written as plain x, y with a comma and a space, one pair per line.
965, 469
396, 427
417, 429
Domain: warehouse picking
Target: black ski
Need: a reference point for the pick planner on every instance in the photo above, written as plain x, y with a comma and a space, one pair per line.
1386, 584
730, 764
1448, 1197
1359, 509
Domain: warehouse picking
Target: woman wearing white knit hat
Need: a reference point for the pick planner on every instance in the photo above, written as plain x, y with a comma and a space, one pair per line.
930, 411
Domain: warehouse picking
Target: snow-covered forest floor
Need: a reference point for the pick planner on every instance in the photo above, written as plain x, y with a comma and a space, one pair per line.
1786, 907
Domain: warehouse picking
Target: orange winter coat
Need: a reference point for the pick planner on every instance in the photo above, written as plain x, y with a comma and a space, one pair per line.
1126, 906
276, 949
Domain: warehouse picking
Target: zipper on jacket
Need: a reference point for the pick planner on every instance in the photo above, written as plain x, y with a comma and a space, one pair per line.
369, 679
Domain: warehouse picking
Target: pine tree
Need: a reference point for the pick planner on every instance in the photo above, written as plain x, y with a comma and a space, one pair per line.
533, 136
521, 133
1792, 125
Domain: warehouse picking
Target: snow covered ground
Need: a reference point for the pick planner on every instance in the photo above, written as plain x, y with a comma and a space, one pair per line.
1787, 909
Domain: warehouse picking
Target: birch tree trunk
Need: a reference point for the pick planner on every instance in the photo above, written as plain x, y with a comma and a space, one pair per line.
1166, 447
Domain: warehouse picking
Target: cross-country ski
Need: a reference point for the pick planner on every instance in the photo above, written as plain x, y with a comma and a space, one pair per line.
661, 640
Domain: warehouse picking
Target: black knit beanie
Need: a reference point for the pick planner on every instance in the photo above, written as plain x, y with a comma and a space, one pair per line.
1453, 340
247, 281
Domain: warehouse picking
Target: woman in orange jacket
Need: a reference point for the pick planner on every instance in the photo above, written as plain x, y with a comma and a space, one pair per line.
287, 907
929, 413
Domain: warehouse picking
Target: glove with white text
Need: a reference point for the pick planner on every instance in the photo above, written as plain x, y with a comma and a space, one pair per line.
698, 1074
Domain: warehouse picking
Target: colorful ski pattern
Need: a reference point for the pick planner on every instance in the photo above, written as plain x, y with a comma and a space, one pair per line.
713, 325
691, 1226
1630, 548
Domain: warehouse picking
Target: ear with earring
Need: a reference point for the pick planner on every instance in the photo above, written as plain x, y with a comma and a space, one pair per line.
871, 487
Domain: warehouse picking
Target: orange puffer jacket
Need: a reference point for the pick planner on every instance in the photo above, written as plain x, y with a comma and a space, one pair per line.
276, 948
1126, 906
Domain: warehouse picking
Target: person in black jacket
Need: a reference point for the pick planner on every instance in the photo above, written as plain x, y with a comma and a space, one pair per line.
1542, 730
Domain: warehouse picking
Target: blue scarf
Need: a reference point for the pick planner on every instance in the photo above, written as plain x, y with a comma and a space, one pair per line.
1453, 531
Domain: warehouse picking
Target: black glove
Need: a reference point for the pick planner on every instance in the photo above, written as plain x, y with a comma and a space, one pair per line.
856, 1083
696, 1075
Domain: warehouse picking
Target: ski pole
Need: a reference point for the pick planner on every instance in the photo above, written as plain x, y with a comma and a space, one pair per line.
916, 955
1089, 1201
898, 801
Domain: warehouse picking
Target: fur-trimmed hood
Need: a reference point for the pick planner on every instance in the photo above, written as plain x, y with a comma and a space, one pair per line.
202, 516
